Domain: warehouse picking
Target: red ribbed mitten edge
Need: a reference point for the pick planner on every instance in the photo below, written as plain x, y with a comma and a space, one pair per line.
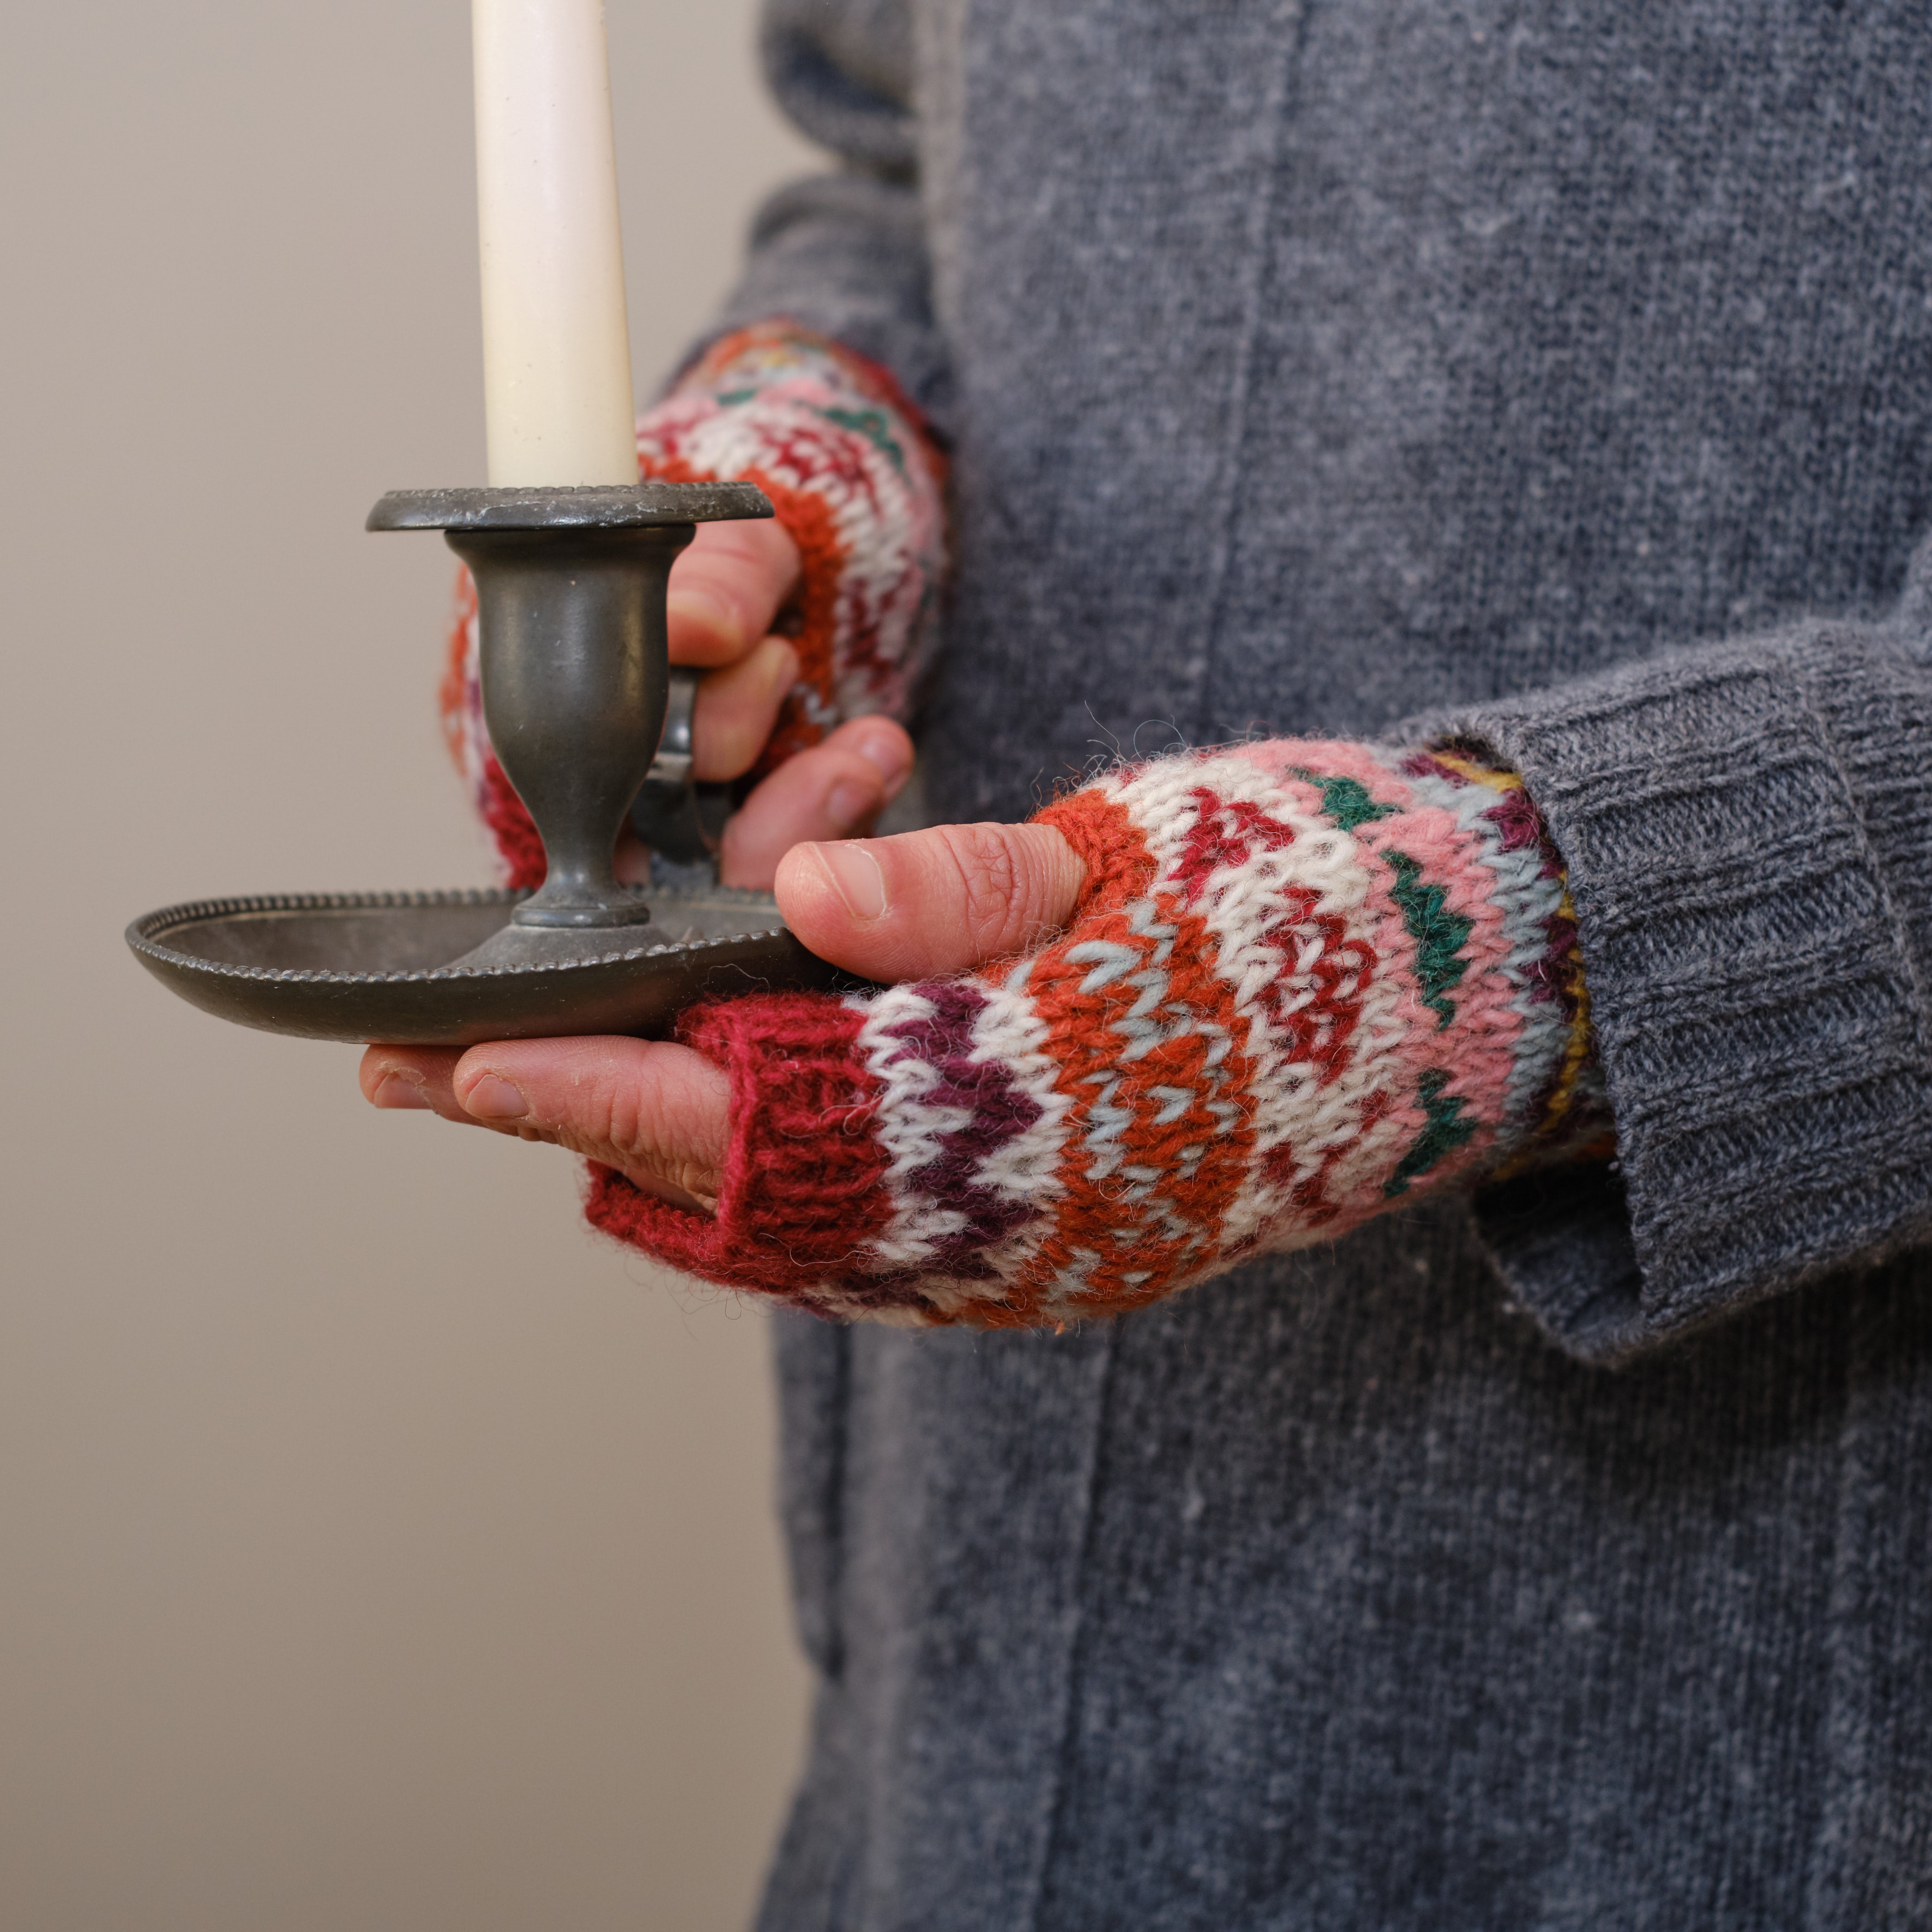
802, 1184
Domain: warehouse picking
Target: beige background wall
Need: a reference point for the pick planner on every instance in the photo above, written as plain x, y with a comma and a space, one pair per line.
377, 1549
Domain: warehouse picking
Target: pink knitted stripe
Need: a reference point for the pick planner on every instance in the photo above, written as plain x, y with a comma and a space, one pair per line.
1474, 1056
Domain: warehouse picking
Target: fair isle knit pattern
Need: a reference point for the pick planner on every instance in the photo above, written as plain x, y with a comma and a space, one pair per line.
857, 482
1305, 980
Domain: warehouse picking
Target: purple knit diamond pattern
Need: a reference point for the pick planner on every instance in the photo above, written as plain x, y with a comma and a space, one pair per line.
998, 1112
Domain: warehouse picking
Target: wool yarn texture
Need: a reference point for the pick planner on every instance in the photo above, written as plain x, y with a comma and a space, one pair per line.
857, 480
1305, 981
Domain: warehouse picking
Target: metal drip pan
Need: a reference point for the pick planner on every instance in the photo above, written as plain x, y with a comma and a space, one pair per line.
376, 966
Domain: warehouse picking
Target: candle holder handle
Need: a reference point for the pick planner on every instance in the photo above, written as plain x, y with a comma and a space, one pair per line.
570, 590
678, 817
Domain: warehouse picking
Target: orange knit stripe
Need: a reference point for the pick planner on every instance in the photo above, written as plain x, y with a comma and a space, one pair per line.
1176, 1228
1140, 1239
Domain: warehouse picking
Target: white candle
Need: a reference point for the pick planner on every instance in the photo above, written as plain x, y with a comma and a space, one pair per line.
556, 348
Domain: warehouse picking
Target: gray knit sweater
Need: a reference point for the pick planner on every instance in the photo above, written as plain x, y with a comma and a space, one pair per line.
1557, 373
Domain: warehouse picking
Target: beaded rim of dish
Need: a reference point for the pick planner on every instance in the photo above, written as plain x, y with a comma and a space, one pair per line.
145, 932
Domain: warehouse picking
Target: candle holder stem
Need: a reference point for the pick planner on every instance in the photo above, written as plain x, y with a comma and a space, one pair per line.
574, 670
570, 590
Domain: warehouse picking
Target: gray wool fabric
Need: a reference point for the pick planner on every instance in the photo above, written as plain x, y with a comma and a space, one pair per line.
1557, 374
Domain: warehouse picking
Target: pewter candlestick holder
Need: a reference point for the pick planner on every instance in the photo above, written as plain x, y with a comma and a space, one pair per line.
577, 688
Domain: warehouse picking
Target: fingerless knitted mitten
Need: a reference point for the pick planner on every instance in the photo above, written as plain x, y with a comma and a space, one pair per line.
853, 477
1305, 980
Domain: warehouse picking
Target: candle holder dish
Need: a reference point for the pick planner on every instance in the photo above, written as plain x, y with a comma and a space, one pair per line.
577, 689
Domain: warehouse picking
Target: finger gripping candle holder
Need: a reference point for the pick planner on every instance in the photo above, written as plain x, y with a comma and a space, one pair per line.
577, 684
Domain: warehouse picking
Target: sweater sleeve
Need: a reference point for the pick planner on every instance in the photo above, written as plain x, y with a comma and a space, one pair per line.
843, 254
1306, 981
1747, 830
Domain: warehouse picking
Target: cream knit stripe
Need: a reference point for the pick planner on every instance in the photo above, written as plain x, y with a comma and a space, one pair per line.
1023, 1170
1343, 1136
1302, 1109
938, 1136
841, 1302
909, 1124
1359, 1132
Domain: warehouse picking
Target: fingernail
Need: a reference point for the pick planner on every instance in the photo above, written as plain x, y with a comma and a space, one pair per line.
398, 1090
852, 803
887, 751
778, 665
700, 609
492, 1098
855, 878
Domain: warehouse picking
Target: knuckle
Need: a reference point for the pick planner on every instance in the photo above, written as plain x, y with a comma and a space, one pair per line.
746, 555
693, 1178
723, 747
618, 1123
990, 879
716, 543
768, 541
622, 1124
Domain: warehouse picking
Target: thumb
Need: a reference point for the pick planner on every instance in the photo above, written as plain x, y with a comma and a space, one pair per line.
941, 901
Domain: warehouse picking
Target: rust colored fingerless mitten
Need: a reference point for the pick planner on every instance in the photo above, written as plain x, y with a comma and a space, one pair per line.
1305, 981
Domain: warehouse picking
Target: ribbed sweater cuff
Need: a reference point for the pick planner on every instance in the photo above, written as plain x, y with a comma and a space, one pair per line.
1745, 833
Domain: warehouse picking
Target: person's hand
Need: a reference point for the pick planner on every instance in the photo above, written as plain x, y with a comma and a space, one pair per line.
923, 903
726, 590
